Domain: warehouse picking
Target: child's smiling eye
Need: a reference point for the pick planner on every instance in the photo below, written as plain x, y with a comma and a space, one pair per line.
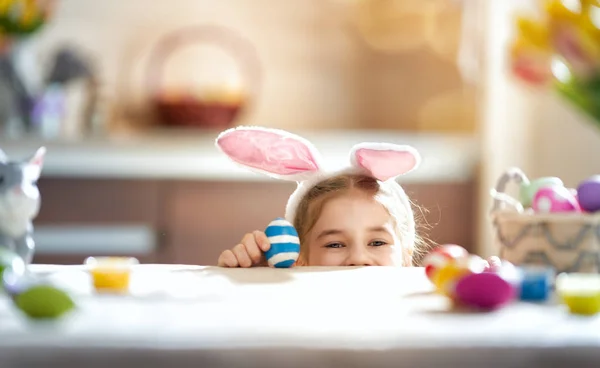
334, 245
377, 243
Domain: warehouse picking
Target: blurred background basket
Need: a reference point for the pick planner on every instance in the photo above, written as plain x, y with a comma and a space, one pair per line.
568, 242
220, 109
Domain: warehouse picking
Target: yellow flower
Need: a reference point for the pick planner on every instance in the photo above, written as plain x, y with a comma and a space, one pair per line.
5, 6
30, 12
532, 33
558, 12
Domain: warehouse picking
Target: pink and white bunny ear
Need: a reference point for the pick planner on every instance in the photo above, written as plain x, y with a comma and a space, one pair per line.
37, 159
384, 161
273, 152
36, 162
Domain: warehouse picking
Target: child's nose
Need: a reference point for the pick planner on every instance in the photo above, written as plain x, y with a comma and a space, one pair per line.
359, 258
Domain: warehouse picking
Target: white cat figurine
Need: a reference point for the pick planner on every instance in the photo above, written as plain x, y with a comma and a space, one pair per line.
19, 202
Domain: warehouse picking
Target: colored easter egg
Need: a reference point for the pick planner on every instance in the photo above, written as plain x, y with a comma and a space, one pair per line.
486, 290
285, 244
440, 256
588, 193
554, 199
580, 292
536, 283
498, 287
527, 191
44, 302
446, 278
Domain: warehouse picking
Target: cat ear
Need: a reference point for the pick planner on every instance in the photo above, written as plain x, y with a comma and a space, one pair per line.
273, 152
384, 161
37, 160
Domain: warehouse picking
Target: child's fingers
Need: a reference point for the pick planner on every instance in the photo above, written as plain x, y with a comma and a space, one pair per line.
252, 248
241, 253
248, 253
227, 259
262, 240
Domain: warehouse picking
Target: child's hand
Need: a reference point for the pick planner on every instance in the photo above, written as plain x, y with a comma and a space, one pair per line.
248, 253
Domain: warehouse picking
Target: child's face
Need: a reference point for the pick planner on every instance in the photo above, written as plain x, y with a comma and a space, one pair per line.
353, 230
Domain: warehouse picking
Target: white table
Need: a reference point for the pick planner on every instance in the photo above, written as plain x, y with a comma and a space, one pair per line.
180, 316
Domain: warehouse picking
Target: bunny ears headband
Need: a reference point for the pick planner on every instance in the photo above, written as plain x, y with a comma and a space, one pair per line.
282, 155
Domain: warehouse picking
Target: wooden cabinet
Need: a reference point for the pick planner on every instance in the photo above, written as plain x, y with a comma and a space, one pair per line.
193, 221
205, 218
98, 206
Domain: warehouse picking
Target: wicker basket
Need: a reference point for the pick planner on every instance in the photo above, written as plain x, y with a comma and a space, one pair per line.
180, 108
568, 242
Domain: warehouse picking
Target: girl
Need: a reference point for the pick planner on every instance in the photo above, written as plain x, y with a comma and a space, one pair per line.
357, 216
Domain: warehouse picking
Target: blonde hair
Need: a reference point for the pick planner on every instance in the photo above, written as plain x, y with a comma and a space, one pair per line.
311, 205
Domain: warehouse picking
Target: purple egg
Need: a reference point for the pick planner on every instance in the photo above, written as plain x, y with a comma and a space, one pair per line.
485, 290
588, 193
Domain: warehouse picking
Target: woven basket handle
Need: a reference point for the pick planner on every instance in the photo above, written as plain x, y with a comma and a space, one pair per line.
503, 200
240, 48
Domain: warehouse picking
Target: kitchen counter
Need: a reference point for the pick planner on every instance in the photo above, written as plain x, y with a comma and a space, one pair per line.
183, 156
189, 316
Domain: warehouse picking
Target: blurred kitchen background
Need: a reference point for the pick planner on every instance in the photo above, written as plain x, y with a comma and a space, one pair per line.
128, 97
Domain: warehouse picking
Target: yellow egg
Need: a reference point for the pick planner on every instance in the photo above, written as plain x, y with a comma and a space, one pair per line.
445, 278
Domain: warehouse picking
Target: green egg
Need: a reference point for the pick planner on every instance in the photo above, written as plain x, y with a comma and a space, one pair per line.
44, 302
527, 191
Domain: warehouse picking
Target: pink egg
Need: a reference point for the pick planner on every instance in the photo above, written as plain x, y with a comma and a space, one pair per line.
555, 199
487, 290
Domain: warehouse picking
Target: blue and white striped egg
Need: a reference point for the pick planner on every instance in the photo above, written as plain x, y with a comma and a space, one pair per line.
285, 244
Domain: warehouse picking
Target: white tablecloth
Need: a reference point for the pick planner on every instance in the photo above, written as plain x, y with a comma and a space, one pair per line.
180, 316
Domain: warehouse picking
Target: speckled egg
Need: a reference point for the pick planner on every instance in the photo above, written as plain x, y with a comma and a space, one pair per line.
441, 256
588, 193
285, 244
555, 199
528, 190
